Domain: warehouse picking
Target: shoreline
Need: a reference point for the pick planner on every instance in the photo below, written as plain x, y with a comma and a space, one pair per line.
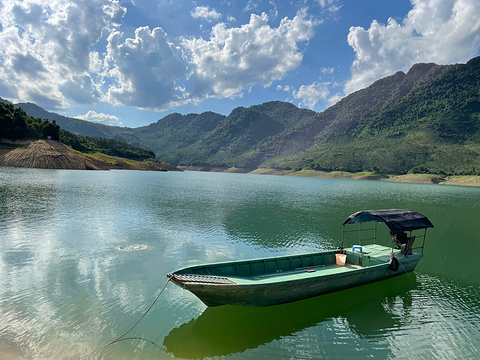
459, 180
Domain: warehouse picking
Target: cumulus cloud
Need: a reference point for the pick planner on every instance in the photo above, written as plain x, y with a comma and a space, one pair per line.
46, 43
102, 118
53, 52
312, 94
440, 31
255, 53
204, 12
145, 69
81, 89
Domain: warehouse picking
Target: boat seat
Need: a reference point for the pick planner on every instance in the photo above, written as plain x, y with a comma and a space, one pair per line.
409, 246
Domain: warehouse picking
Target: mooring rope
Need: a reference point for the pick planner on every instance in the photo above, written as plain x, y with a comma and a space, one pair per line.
406, 272
146, 312
392, 255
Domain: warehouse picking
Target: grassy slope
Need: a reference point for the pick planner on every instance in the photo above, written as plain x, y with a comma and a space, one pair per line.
115, 162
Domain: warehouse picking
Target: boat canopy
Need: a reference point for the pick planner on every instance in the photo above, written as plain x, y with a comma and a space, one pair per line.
396, 220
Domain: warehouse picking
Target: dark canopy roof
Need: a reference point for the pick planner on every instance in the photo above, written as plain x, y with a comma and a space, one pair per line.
396, 220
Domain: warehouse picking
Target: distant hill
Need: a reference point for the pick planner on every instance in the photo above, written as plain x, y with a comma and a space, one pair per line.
26, 141
76, 126
424, 121
5, 101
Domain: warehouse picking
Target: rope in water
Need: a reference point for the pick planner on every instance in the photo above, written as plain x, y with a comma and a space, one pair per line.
406, 272
146, 312
392, 255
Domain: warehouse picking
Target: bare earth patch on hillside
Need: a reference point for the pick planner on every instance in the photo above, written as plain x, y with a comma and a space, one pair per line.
50, 154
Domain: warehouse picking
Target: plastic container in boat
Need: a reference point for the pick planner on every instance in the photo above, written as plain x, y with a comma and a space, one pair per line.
341, 259
357, 248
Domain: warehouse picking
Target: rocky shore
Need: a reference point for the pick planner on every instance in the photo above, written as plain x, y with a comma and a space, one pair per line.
463, 180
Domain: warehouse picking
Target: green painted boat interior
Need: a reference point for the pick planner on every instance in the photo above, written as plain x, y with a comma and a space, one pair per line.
285, 268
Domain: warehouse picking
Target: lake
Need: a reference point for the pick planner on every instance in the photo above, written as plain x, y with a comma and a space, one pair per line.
83, 254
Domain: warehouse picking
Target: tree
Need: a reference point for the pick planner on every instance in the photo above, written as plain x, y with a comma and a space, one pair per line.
50, 130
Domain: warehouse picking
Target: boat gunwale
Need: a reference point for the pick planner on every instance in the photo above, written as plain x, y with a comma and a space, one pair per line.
245, 261
302, 276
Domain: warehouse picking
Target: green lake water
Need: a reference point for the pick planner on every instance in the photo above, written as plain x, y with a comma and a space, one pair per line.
83, 254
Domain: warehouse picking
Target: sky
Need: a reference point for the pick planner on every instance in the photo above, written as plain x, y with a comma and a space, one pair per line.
132, 62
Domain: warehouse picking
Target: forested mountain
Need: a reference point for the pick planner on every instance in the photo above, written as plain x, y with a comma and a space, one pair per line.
429, 123
172, 133
15, 124
427, 120
76, 126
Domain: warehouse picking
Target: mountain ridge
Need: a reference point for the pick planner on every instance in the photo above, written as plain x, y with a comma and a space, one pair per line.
418, 121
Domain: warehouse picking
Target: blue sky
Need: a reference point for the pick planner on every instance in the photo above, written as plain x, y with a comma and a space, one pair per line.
132, 62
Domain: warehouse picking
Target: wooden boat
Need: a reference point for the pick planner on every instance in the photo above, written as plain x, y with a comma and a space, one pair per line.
277, 280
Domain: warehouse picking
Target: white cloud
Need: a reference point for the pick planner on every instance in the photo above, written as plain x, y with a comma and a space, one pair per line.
285, 88
440, 31
53, 52
81, 89
252, 6
105, 119
45, 44
274, 11
327, 71
145, 69
255, 53
332, 100
312, 94
204, 12
331, 6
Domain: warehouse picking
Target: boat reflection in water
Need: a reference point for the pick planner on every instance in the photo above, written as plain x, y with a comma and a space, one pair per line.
225, 330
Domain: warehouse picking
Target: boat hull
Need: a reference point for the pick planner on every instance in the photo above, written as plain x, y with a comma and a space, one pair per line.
279, 293
277, 288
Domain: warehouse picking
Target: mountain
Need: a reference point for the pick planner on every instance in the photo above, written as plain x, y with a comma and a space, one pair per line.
428, 123
173, 132
5, 101
424, 121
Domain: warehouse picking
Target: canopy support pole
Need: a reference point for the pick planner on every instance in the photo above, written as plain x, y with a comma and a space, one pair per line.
360, 235
424, 236
343, 235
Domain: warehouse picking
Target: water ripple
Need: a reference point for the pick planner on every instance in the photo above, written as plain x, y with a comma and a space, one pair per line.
83, 254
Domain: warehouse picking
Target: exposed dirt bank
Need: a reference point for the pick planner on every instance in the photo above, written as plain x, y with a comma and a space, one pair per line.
464, 180
50, 154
